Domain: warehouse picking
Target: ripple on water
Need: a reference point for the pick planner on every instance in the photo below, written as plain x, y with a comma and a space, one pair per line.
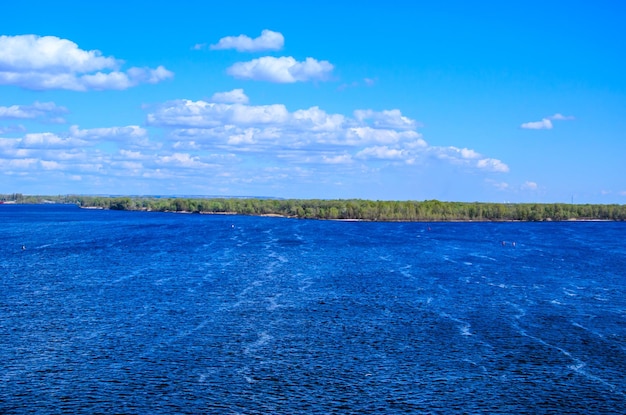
157, 313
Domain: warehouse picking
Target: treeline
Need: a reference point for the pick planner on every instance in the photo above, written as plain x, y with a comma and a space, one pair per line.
355, 209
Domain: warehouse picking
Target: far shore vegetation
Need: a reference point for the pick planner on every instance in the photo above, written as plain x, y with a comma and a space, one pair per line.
342, 209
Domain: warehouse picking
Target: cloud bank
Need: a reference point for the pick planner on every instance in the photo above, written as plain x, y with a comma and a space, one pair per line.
307, 135
236, 144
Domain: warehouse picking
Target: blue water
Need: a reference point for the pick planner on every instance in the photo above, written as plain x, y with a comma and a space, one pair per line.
156, 313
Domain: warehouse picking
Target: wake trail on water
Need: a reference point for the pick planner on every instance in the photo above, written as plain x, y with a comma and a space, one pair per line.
577, 364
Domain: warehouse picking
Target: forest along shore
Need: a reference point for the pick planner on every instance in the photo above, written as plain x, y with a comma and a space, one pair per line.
348, 209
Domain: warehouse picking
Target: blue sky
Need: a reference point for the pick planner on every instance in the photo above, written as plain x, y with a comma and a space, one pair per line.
495, 102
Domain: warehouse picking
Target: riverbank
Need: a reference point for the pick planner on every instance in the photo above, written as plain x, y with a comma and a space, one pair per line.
352, 209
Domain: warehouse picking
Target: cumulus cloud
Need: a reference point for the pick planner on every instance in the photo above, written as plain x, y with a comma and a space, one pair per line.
187, 113
469, 158
377, 136
131, 134
236, 96
546, 123
238, 123
269, 40
338, 159
49, 140
316, 119
385, 119
21, 164
48, 62
50, 54
75, 140
365, 135
184, 160
467, 153
38, 109
494, 165
47, 111
382, 152
236, 143
284, 69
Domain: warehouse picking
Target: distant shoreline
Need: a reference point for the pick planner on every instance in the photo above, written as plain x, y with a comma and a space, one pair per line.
275, 215
347, 209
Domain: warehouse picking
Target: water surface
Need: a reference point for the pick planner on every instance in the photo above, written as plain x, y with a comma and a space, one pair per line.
156, 313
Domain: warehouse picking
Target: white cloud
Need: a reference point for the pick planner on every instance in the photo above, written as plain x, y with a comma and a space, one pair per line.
51, 165
186, 113
131, 132
133, 166
22, 164
365, 135
528, 185
284, 69
183, 160
561, 117
262, 114
37, 110
338, 159
461, 154
234, 143
317, 119
186, 145
121, 80
468, 158
50, 54
48, 62
382, 152
494, 165
236, 96
544, 124
269, 40
77, 138
306, 135
49, 140
7, 143
385, 119
203, 122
